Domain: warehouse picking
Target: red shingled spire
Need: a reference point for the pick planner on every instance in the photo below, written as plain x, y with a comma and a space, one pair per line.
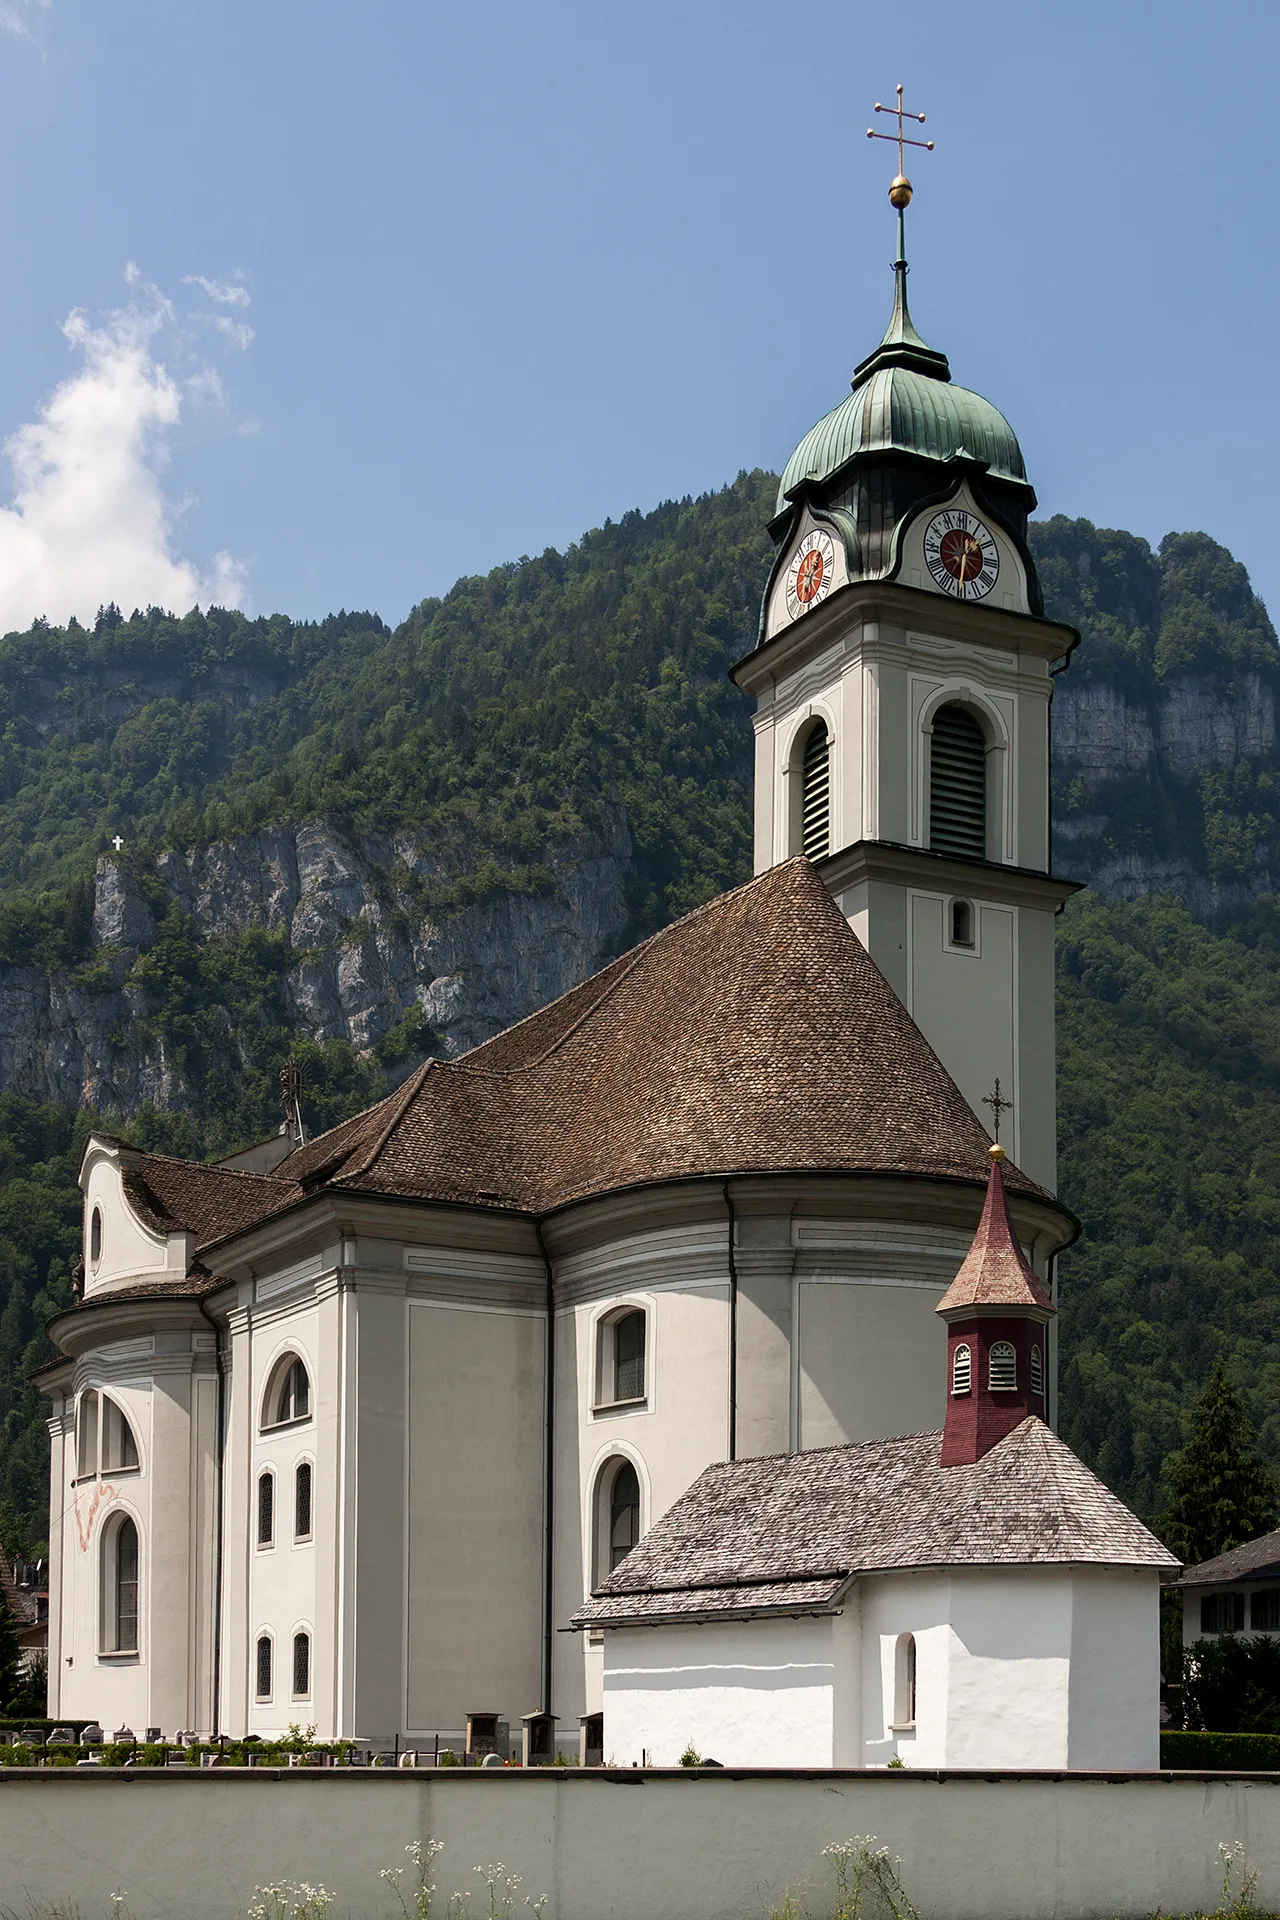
996, 1310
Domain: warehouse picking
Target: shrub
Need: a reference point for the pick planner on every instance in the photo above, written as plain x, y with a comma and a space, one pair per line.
1231, 1684
1220, 1752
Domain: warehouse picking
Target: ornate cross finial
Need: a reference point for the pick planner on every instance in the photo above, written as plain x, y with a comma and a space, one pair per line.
900, 191
291, 1084
998, 1105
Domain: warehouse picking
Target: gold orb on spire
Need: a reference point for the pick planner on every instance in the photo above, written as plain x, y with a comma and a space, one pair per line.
900, 192
996, 1151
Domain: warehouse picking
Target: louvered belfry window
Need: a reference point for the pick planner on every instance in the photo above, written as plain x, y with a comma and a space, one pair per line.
958, 785
815, 795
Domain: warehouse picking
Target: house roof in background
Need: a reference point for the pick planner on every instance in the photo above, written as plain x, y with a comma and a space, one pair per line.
803, 1523
1254, 1560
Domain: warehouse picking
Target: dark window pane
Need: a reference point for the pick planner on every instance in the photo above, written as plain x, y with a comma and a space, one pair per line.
628, 1357
302, 1502
1222, 1613
126, 1636
624, 1514
1264, 1611
301, 1663
264, 1667
294, 1402
266, 1509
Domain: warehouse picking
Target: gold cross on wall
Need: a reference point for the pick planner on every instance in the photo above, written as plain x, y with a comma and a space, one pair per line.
997, 1104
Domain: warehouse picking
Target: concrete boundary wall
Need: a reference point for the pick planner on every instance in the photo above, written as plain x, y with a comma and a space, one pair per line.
609, 1845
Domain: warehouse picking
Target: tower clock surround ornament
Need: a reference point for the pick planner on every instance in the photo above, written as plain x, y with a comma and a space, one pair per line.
811, 574
961, 554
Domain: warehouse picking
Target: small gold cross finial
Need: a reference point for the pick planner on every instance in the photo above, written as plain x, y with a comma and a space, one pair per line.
900, 191
998, 1105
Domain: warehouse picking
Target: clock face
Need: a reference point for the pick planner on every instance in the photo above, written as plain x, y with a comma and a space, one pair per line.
961, 554
811, 573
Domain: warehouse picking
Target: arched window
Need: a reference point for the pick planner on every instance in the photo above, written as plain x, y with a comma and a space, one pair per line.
262, 1677
119, 1448
301, 1665
958, 785
87, 1435
815, 794
624, 1514
961, 1370
628, 1357
120, 1586
302, 1501
105, 1442
620, 1358
266, 1509
1002, 1368
95, 1236
1037, 1372
904, 1682
962, 923
289, 1395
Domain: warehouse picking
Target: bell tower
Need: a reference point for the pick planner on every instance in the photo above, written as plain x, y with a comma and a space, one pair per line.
902, 680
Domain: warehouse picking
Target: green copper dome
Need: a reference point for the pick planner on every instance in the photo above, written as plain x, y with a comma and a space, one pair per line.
903, 402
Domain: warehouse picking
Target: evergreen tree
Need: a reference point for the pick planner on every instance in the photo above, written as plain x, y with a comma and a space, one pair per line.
10, 1654
1220, 1492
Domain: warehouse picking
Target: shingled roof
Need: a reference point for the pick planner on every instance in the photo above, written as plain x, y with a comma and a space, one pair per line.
1254, 1560
788, 1532
172, 1196
995, 1271
754, 1035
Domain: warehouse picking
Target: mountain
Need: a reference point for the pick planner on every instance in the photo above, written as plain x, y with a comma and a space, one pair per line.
354, 846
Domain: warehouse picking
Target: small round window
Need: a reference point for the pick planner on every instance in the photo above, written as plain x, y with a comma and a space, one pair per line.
95, 1235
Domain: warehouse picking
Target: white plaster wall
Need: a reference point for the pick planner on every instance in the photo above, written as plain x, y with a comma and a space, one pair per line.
282, 1578
1009, 1668
130, 1251
1115, 1669
710, 1846
749, 1694
916, 1603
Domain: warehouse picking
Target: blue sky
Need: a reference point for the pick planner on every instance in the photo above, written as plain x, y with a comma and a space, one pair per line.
476, 277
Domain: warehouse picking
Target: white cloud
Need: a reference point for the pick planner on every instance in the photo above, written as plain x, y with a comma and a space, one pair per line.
17, 17
228, 293
90, 521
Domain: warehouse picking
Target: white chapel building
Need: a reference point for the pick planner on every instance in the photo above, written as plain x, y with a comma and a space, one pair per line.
346, 1433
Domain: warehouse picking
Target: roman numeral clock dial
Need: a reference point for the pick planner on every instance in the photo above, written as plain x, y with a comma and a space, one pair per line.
811, 573
961, 554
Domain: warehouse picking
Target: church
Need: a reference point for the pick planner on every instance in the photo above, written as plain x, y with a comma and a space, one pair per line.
346, 1432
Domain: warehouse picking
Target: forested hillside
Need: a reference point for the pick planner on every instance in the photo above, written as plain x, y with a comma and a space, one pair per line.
358, 845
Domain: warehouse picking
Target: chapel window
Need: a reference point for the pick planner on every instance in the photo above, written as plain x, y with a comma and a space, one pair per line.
95, 1236
1222, 1613
962, 1370
628, 1357
262, 1678
119, 1448
1036, 1370
962, 923
624, 1514
815, 794
301, 1665
1264, 1611
266, 1509
289, 1396
120, 1586
904, 1682
105, 1442
87, 1435
302, 1502
958, 785
1002, 1367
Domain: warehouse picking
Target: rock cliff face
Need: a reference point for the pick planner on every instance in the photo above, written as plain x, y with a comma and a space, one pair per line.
361, 954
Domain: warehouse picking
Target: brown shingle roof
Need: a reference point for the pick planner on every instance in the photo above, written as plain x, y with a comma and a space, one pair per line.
755, 1035
805, 1522
1254, 1560
995, 1271
209, 1202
